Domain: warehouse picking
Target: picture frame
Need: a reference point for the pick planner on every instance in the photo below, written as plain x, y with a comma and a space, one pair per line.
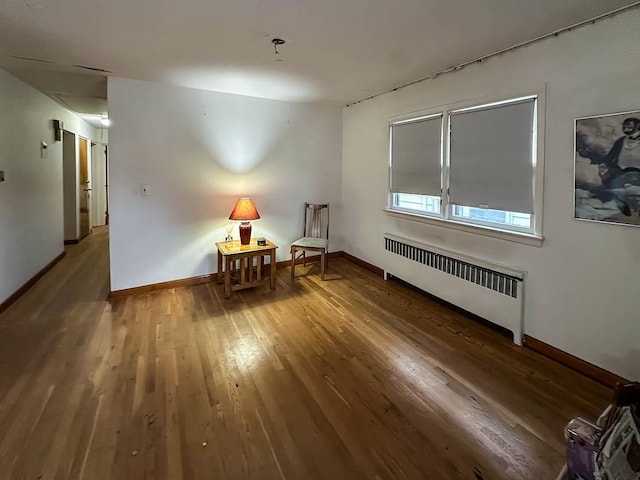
607, 168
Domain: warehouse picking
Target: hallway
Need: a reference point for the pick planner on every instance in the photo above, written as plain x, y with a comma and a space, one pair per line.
351, 378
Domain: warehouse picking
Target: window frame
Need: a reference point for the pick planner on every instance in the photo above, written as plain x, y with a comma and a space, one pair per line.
446, 217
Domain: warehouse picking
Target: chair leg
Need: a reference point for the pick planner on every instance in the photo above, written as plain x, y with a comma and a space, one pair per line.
293, 262
322, 263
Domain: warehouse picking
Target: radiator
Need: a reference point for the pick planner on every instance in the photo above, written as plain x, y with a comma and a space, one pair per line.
491, 291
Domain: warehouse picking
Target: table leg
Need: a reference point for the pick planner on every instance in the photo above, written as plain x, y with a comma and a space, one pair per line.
219, 276
260, 267
243, 270
322, 258
227, 277
272, 259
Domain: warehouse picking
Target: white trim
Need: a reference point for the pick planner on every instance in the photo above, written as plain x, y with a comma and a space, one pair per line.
538, 166
496, 267
494, 97
516, 237
491, 105
421, 113
415, 119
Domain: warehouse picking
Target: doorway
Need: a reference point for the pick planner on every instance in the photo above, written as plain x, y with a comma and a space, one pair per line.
76, 186
84, 188
99, 185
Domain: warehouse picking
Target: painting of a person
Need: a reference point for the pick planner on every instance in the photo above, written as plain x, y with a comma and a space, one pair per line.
607, 187
622, 165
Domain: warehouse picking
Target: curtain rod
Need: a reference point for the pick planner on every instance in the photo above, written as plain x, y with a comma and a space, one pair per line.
504, 50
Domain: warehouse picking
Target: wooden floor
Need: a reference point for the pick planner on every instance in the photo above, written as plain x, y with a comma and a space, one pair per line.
351, 378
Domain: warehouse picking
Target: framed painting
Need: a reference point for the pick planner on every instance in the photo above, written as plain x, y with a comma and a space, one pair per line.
607, 168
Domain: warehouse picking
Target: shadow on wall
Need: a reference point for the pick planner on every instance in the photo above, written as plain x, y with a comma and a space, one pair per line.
242, 141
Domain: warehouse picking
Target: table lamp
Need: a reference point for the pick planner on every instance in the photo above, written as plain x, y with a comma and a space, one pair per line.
244, 211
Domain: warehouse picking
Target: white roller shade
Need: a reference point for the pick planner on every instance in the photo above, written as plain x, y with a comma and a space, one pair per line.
415, 156
491, 157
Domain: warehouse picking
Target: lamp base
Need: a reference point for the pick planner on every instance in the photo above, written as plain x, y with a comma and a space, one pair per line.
245, 233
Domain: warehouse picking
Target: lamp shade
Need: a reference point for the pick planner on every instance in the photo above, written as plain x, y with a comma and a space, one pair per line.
244, 210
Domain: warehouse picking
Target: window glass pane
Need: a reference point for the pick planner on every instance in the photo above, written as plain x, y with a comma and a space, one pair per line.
418, 203
501, 218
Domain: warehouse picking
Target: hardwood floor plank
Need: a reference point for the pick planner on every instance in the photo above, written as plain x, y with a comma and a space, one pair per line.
349, 378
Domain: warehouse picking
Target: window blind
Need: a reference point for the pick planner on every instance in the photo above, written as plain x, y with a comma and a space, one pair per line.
490, 151
415, 156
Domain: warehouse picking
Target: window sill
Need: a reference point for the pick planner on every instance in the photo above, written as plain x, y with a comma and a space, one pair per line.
524, 238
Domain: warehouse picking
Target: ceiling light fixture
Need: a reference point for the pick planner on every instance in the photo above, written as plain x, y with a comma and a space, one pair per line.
276, 43
105, 122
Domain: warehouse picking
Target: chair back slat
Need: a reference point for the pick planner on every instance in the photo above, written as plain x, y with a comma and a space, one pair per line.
316, 221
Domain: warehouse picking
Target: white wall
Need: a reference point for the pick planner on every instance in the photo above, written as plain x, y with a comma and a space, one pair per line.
199, 152
582, 284
31, 206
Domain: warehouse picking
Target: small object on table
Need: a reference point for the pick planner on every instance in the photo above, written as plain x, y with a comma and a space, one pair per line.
262, 241
228, 228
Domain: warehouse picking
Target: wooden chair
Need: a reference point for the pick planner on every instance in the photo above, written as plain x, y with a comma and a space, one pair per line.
315, 236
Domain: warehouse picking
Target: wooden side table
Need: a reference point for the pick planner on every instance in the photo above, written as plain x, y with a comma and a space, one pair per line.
247, 262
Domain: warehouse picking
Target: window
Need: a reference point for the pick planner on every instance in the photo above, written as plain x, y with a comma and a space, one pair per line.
475, 165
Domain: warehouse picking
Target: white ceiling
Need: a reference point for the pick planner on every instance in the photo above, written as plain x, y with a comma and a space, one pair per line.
337, 51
